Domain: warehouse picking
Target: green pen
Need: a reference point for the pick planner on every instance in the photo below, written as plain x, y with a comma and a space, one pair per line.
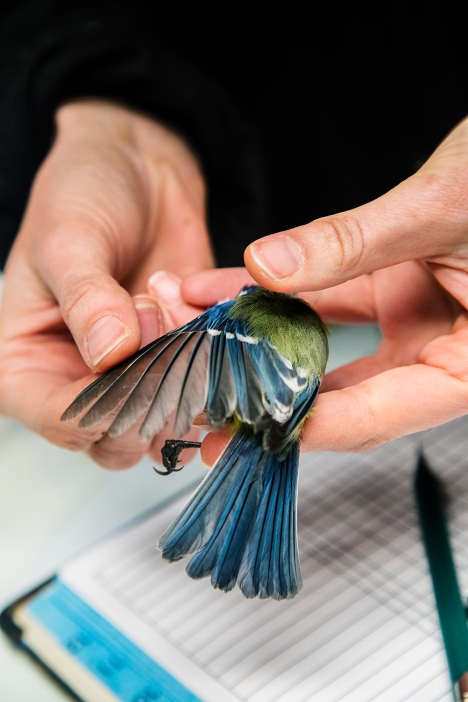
450, 608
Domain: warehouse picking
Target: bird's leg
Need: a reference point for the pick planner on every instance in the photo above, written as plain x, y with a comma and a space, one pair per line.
170, 454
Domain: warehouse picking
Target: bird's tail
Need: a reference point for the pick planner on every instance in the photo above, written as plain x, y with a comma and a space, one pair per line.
240, 524
270, 565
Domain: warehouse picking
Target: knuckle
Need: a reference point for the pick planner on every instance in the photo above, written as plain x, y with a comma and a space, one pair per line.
345, 239
368, 444
72, 439
369, 434
75, 295
66, 435
112, 454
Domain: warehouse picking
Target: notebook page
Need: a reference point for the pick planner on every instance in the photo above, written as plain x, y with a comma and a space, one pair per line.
364, 627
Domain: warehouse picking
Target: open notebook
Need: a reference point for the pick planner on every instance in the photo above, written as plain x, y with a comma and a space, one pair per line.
119, 623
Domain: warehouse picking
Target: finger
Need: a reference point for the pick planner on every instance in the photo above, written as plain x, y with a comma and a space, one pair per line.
78, 266
417, 219
413, 309
213, 445
355, 372
28, 375
99, 313
208, 287
77, 272
384, 408
165, 287
118, 453
352, 302
83, 230
150, 318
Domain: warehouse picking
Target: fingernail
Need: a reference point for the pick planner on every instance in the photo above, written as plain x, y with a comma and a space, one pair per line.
279, 256
149, 317
201, 421
104, 336
166, 287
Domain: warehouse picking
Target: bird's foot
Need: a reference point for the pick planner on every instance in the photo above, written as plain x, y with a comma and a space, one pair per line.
170, 454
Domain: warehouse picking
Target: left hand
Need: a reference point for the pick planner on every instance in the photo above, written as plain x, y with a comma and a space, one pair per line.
118, 197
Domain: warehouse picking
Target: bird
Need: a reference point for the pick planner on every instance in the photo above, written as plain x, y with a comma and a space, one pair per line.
253, 364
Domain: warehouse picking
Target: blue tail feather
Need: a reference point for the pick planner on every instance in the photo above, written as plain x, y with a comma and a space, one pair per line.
270, 567
222, 555
194, 526
240, 524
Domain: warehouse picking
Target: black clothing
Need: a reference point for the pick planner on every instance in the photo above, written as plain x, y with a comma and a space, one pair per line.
294, 115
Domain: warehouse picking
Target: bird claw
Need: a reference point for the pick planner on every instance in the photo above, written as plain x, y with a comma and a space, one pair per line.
170, 454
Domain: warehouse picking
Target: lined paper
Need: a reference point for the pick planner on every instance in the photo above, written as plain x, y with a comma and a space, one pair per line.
364, 628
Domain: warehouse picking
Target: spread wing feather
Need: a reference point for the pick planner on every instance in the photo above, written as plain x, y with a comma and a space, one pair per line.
221, 400
249, 391
209, 364
167, 395
136, 385
192, 401
102, 384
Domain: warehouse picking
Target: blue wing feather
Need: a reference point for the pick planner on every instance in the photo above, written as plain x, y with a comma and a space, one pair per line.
273, 374
249, 392
133, 384
221, 398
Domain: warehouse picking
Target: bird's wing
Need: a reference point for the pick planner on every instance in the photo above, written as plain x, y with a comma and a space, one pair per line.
167, 374
277, 436
210, 364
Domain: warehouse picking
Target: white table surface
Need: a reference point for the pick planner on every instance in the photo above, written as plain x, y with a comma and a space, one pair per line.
54, 502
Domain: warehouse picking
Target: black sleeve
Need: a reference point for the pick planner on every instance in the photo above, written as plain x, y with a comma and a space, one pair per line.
52, 52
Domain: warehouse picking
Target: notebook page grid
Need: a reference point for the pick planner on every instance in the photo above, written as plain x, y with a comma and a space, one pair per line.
364, 627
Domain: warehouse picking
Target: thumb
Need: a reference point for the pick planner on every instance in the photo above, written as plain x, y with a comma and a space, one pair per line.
77, 270
82, 233
100, 314
423, 217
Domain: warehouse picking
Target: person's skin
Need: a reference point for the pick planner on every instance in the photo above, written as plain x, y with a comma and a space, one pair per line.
401, 261
118, 199
121, 197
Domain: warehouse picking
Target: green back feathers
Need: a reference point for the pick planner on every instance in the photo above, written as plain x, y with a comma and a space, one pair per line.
290, 324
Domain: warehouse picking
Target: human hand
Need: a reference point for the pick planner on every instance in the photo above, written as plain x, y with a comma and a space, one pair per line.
118, 198
401, 261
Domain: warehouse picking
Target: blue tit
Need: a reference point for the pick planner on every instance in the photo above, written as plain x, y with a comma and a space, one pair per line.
254, 364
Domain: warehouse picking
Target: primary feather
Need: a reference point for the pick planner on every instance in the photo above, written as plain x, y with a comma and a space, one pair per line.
255, 363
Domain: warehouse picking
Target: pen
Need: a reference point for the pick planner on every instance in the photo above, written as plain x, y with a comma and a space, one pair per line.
450, 608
